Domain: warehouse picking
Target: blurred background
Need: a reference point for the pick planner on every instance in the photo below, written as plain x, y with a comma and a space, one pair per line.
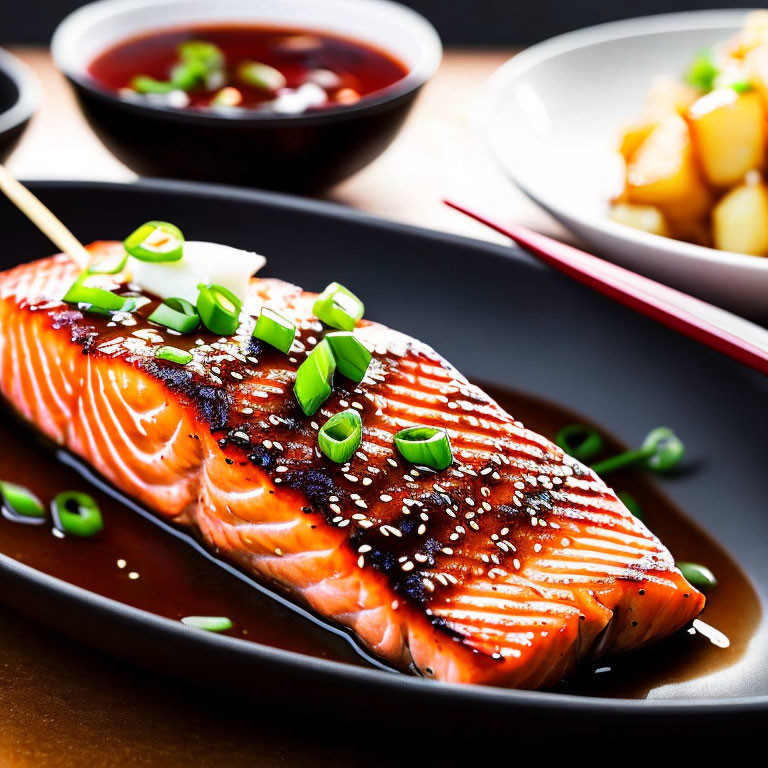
459, 22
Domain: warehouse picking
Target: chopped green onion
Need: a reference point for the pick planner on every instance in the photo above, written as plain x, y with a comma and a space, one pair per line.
425, 446
173, 355
261, 76
188, 75
631, 503
314, 378
703, 71
741, 86
697, 575
146, 84
274, 329
97, 300
208, 623
207, 54
338, 307
341, 436
219, 309
77, 514
661, 451
21, 501
155, 241
664, 448
109, 266
580, 441
177, 314
352, 357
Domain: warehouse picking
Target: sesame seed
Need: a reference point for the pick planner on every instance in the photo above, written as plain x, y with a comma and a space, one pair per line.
407, 566
385, 497
236, 375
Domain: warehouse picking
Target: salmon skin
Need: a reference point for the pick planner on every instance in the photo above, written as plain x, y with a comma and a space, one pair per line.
506, 569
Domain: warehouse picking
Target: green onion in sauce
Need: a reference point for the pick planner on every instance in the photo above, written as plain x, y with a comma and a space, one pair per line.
352, 357
173, 355
156, 241
697, 575
208, 623
338, 307
21, 502
661, 451
262, 76
341, 436
274, 330
77, 514
109, 266
97, 300
425, 446
177, 314
219, 309
314, 378
580, 441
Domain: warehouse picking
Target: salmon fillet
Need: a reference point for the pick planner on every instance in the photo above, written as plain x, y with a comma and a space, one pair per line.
505, 569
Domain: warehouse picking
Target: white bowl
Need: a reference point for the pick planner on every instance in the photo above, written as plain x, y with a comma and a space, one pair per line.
552, 117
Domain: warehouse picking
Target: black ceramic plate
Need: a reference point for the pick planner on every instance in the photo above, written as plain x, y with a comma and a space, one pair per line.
500, 318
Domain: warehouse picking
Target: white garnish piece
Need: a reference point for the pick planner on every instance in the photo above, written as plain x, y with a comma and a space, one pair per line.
202, 263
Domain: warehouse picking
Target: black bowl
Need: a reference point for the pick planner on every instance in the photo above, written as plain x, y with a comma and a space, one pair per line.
306, 152
18, 101
501, 318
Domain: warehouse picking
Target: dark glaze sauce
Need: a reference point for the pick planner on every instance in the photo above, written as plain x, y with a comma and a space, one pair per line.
359, 69
134, 562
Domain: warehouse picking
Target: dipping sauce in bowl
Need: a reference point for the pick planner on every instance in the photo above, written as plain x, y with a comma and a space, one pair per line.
245, 67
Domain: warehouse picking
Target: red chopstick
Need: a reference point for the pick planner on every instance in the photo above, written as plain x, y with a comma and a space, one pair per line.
723, 331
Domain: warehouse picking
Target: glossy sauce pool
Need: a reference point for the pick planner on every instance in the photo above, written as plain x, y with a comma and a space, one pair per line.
166, 573
359, 68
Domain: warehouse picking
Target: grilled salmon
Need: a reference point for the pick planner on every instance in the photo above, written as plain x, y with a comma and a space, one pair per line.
507, 568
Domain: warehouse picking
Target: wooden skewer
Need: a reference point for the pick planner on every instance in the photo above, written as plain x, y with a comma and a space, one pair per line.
43, 219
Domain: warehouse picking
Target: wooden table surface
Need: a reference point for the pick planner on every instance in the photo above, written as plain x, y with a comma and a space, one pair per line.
65, 706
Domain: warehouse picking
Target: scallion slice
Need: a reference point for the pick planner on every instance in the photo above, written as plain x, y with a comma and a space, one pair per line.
219, 309
338, 307
274, 329
173, 355
97, 300
77, 514
314, 378
697, 575
352, 357
207, 54
177, 314
208, 623
580, 441
341, 436
262, 76
156, 241
109, 266
425, 446
21, 501
146, 84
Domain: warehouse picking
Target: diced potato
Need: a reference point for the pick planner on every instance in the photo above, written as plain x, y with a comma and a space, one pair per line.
740, 220
667, 96
644, 217
632, 137
729, 132
663, 172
